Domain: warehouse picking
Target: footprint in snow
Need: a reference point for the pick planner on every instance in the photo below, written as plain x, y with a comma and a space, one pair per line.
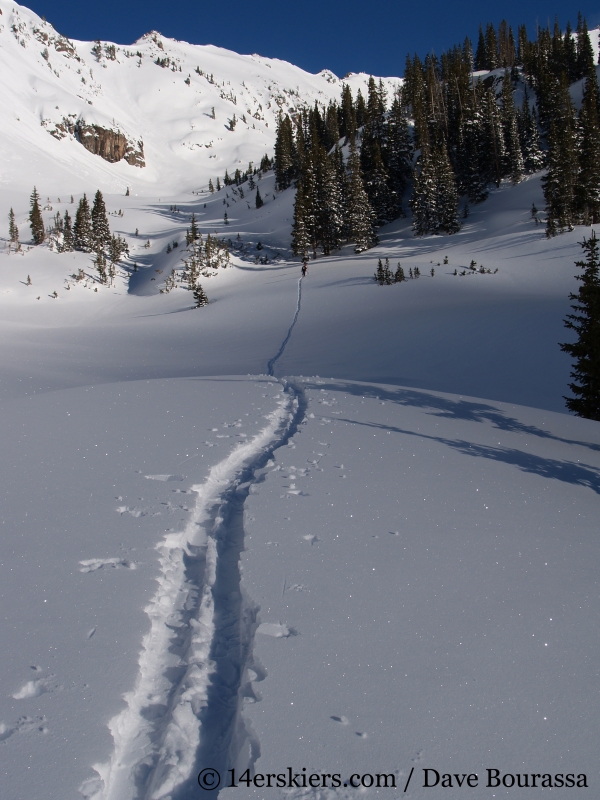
134, 512
32, 689
92, 564
341, 720
276, 630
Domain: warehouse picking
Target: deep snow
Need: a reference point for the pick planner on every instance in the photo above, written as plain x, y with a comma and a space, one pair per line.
392, 565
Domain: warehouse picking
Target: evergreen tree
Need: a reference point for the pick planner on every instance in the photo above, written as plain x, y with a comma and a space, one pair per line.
588, 179
361, 217
494, 154
192, 234
473, 171
68, 243
533, 158
424, 198
399, 154
447, 194
285, 158
301, 239
514, 166
259, 202
560, 182
82, 229
200, 296
348, 123
481, 59
100, 227
399, 275
330, 216
585, 321
100, 265
211, 188
13, 231
36, 223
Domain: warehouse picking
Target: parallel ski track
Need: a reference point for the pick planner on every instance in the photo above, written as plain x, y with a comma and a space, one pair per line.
271, 364
184, 712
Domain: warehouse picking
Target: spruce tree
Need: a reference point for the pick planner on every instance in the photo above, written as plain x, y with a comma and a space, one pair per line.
399, 154
82, 229
585, 321
36, 223
100, 227
361, 217
200, 296
300, 234
13, 231
259, 202
560, 182
68, 243
424, 200
447, 194
533, 158
588, 179
514, 166
285, 158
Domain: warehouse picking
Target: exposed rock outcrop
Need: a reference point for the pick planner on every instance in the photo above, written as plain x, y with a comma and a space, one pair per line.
111, 145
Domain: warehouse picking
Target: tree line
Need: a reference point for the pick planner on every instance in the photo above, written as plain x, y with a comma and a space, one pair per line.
353, 160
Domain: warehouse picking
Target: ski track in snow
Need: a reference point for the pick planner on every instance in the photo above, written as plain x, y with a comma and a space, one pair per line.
271, 364
184, 712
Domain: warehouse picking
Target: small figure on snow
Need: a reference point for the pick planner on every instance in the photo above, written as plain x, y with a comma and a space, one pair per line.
304, 269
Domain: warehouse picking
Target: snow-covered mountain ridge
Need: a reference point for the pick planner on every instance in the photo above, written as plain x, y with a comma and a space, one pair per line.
171, 103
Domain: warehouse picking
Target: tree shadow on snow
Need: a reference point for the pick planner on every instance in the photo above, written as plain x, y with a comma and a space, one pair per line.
449, 408
571, 472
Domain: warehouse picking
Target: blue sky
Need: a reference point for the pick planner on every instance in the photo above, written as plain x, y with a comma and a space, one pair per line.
350, 36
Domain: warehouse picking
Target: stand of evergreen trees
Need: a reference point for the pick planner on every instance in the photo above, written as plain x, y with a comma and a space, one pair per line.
352, 162
585, 322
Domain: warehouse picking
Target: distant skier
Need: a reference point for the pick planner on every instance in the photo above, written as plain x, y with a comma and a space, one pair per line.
304, 269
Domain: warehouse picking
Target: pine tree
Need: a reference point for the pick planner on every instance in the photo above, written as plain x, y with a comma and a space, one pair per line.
473, 172
493, 154
481, 59
533, 158
211, 188
300, 234
585, 321
259, 202
588, 179
399, 275
100, 265
36, 223
379, 274
82, 229
514, 166
285, 157
560, 182
424, 198
447, 193
200, 296
13, 231
192, 234
68, 243
100, 227
361, 217
399, 154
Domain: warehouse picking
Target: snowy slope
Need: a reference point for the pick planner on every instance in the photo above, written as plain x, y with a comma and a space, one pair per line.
205, 563
53, 79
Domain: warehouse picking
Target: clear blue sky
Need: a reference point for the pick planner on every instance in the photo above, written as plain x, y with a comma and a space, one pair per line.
371, 37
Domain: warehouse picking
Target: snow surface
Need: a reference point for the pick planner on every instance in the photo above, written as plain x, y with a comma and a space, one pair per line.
318, 523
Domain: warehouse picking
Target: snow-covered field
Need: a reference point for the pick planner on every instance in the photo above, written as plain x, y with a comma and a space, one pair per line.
319, 524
